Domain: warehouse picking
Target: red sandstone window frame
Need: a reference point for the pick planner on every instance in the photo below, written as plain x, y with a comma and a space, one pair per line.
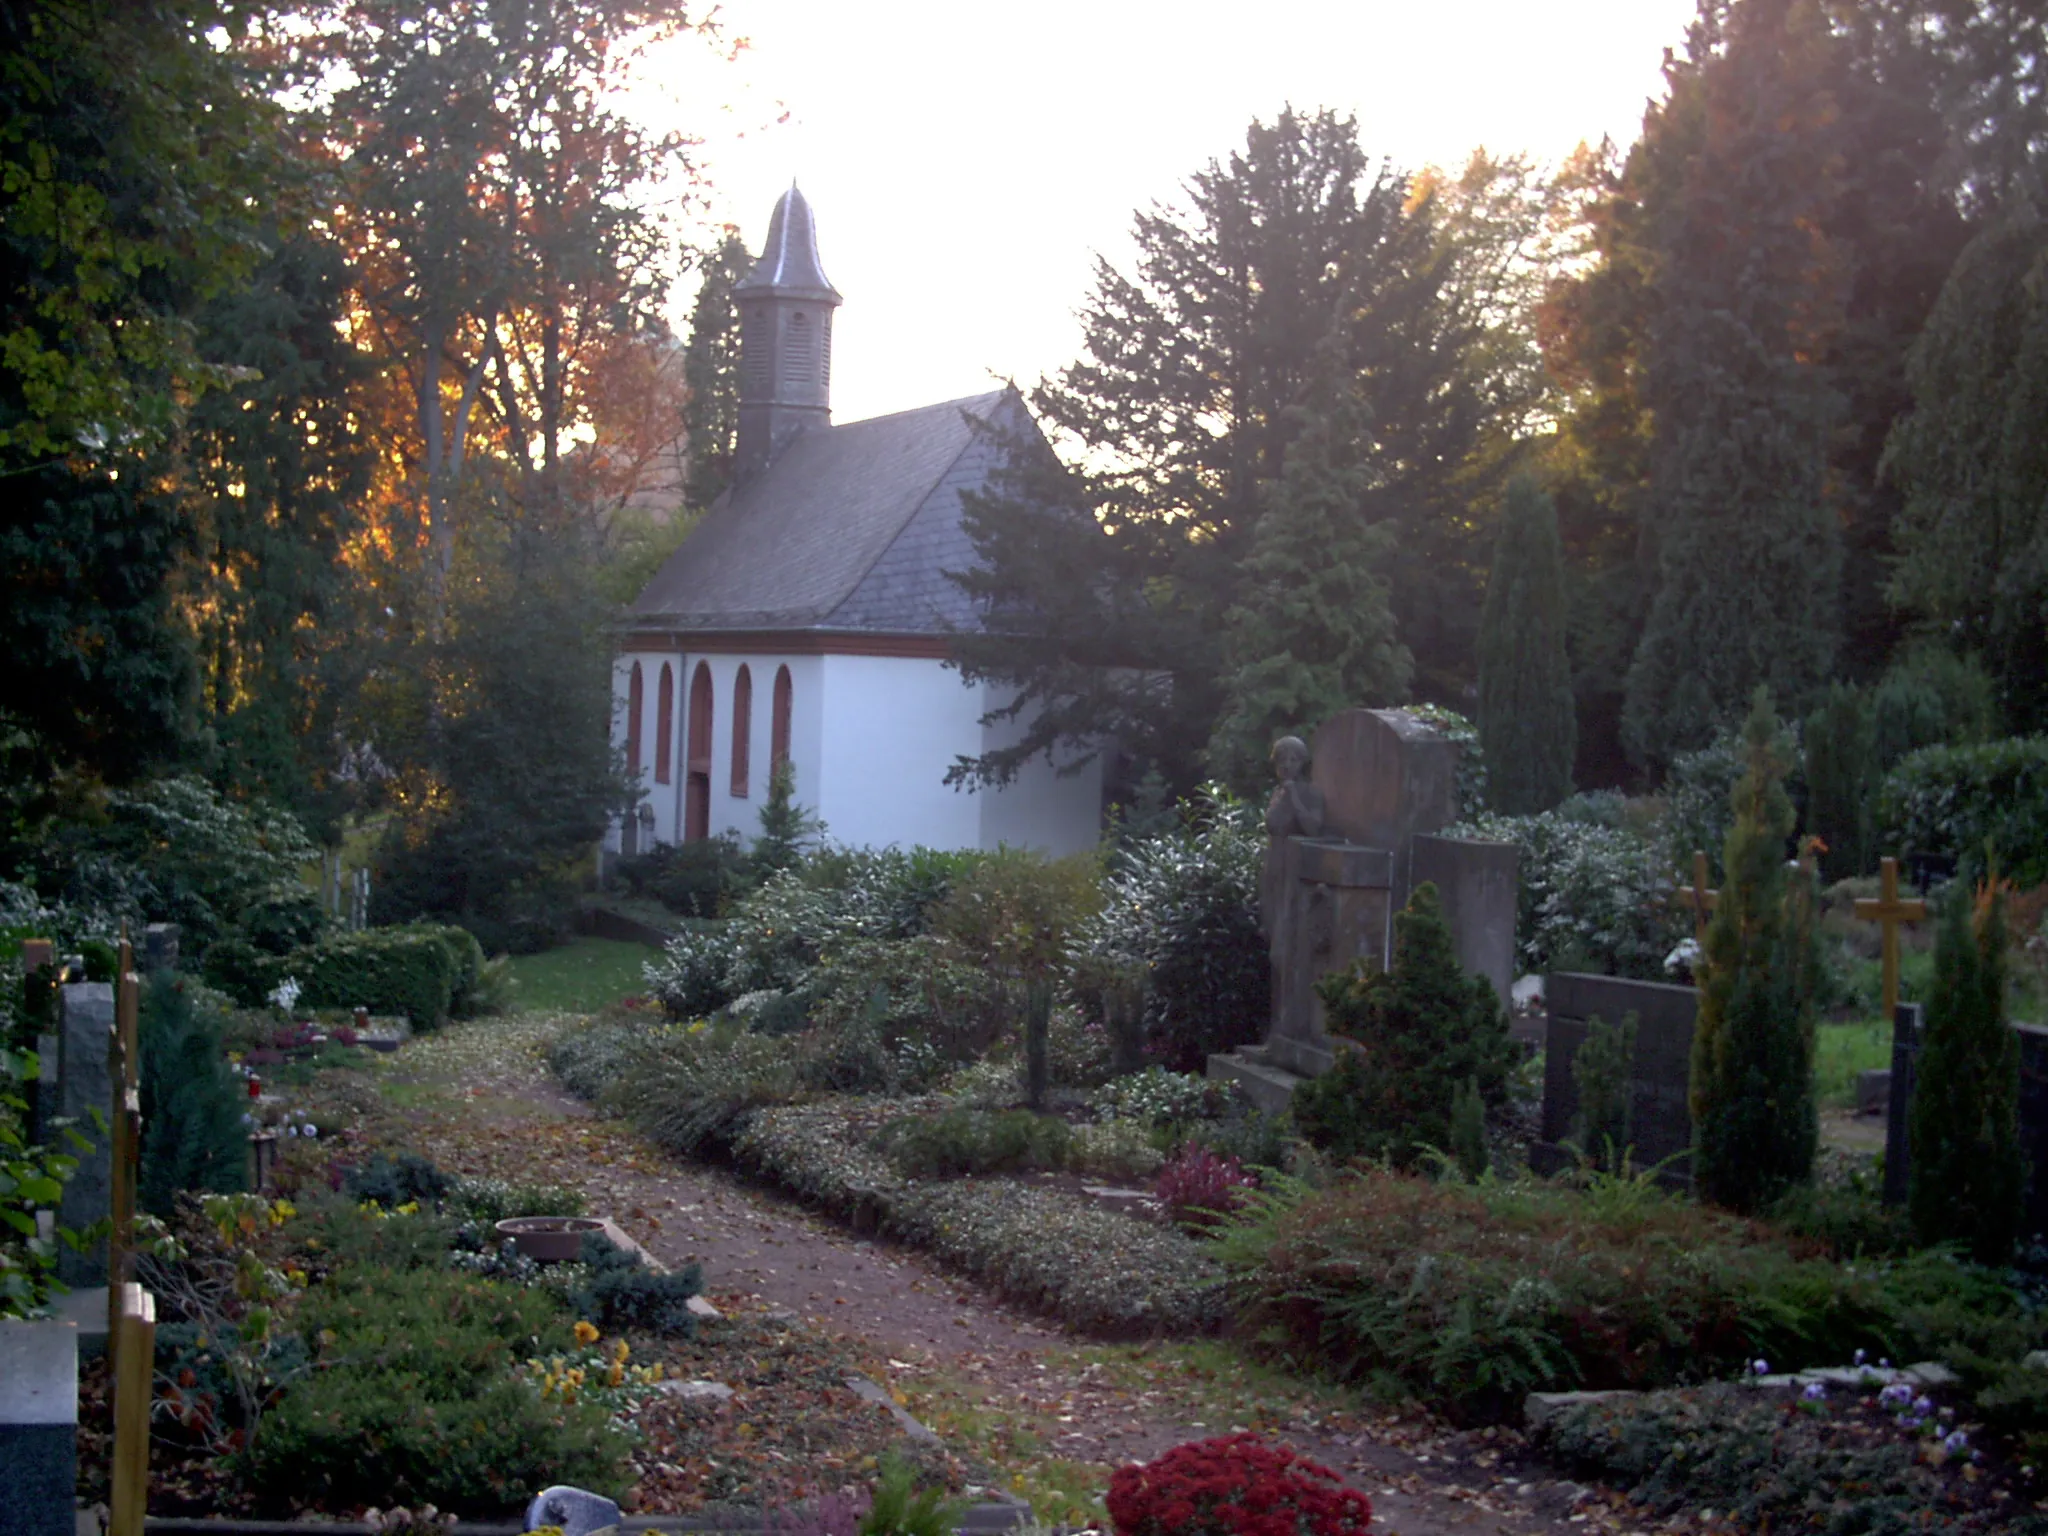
636, 703
665, 725
742, 730
779, 710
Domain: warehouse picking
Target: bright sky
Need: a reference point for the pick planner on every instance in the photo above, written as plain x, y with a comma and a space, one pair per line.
966, 163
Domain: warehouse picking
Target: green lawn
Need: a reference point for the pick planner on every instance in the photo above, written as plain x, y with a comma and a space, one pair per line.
582, 976
1843, 1050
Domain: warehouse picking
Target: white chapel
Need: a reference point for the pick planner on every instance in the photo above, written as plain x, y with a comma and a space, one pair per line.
807, 617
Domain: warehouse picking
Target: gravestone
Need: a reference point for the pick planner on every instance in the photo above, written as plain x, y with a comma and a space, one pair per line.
38, 1428
1341, 862
1478, 884
1909, 1024
578, 1513
1660, 1075
85, 1086
159, 948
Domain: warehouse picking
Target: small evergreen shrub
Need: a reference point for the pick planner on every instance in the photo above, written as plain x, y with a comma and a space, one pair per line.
194, 1136
693, 879
405, 1179
1951, 801
1408, 1038
1234, 1485
1602, 1127
1037, 1043
1931, 697
1161, 1098
1969, 1173
620, 1291
1755, 1122
1468, 1130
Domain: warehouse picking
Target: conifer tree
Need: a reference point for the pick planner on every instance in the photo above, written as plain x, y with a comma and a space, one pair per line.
1414, 1036
1755, 1126
711, 372
1315, 632
1841, 779
1528, 726
1968, 1173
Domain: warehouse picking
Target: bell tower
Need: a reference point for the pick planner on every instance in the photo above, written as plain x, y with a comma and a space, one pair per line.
785, 307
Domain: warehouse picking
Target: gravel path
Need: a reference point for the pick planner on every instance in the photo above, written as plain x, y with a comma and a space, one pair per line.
955, 1353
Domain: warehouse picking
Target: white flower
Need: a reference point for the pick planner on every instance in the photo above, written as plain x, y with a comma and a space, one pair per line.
1685, 957
286, 993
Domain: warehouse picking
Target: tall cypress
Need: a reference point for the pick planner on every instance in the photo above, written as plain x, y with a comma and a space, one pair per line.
1755, 1126
1528, 727
1968, 1173
711, 370
1841, 779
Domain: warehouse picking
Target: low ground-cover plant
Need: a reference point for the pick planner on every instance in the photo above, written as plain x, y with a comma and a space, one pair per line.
1159, 1097
1472, 1296
1234, 1485
1099, 1271
975, 1141
416, 1395
1846, 1460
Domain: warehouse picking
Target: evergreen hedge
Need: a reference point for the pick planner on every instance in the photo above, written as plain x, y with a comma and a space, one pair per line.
430, 974
193, 1133
1951, 801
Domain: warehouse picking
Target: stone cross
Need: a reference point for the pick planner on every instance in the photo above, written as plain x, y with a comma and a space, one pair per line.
1699, 897
1888, 911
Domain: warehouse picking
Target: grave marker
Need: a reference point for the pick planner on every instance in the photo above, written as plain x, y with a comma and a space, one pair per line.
1660, 1072
1698, 897
1889, 912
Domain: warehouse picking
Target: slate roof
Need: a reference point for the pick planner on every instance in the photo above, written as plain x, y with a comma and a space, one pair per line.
789, 265
850, 528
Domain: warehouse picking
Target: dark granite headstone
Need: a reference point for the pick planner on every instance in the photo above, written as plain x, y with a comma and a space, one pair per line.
159, 948
85, 1086
1659, 1078
38, 1427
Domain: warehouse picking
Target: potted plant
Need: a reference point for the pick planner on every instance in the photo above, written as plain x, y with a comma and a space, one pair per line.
548, 1239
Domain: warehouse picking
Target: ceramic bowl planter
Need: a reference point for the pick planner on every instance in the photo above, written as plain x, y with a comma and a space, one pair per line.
548, 1239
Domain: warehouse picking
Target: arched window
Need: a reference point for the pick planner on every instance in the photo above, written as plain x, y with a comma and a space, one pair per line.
778, 730
635, 700
742, 729
665, 725
697, 789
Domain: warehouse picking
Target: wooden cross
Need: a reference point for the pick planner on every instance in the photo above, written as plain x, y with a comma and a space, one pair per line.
131, 1311
1698, 897
1889, 912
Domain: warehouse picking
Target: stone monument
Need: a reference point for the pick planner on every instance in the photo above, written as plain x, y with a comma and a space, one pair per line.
1344, 823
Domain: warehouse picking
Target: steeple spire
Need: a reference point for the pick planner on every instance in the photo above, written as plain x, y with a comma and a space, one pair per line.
785, 306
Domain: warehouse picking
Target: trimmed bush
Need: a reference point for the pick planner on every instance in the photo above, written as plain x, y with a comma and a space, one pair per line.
386, 970
622, 1292
1949, 802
